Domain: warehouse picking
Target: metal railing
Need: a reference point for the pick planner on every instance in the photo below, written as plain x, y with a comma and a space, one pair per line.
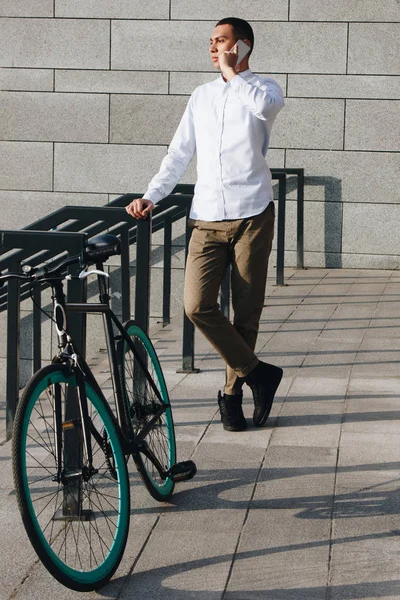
67, 230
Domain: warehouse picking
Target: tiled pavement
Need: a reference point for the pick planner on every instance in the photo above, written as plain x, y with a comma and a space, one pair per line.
306, 507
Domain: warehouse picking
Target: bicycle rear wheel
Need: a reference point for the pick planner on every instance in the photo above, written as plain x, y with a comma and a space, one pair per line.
77, 520
149, 411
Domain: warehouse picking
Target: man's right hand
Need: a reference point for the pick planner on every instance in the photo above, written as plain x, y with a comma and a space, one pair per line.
140, 208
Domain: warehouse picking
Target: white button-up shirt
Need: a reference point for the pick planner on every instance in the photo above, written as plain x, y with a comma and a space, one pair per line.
229, 125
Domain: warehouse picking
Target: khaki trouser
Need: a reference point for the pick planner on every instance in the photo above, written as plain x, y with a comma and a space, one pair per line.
246, 245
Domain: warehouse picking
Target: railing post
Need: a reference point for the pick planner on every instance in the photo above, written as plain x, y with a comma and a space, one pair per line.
13, 349
280, 260
300, 219
166, 309
125, 274
37, 328
188, 327
143, 253
77, 292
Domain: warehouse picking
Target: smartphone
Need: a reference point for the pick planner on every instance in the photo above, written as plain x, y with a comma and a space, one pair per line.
243, 50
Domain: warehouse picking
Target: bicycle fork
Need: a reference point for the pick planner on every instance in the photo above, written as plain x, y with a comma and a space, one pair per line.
73, 447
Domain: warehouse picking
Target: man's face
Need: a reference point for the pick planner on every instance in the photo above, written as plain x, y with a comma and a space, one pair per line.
222, 40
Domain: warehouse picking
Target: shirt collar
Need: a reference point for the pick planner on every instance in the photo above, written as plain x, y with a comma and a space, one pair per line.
243, 74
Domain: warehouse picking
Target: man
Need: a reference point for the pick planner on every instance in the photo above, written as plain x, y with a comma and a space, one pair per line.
228, 123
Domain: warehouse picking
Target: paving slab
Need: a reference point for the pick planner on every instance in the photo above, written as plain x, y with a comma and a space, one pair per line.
305, 507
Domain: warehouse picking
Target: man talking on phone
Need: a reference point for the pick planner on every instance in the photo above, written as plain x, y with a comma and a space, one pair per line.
228, 124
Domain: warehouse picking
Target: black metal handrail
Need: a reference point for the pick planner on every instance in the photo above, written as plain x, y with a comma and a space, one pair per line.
72, 243
70, 228
67, 229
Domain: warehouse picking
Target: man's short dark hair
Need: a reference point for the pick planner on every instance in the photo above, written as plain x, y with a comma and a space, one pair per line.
241, 29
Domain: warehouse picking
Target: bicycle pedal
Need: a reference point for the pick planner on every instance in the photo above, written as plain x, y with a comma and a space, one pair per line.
182, 471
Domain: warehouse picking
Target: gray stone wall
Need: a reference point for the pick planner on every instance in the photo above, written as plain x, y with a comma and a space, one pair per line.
93, 91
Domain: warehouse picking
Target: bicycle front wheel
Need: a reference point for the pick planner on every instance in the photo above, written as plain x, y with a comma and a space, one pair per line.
149, 411
76, 515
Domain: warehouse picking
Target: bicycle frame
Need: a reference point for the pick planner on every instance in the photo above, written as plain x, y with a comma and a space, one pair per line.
131, 443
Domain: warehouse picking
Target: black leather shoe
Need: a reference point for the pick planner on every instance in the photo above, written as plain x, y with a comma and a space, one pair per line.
263, 381
230, 407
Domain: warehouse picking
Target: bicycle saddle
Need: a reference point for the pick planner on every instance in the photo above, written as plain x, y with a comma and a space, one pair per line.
101, 247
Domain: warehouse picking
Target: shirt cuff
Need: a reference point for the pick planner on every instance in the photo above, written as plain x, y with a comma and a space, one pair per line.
153, 195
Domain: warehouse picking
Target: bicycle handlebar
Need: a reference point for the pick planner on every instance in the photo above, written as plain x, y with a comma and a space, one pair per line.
98, 250
42, 273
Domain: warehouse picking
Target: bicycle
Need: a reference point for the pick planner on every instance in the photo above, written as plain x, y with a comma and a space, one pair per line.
69, 449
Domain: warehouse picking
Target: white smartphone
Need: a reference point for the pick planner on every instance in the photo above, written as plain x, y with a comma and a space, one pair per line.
243, 50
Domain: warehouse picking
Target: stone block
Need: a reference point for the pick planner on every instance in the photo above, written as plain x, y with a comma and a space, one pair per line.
274, 10
370, 229
130, 45
111, 82
322, 226
309, 123
373, 125
22, 80
118, 9
186, 83
276, 158
25, 8
105, 168
341, 176
373, 48
145, 119
20, 209
284, 47
55, 43
300, 47
343, 10
41, 116
344, 86
26, 165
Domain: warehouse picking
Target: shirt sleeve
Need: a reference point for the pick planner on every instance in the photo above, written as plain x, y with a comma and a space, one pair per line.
264, 101
175, 163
